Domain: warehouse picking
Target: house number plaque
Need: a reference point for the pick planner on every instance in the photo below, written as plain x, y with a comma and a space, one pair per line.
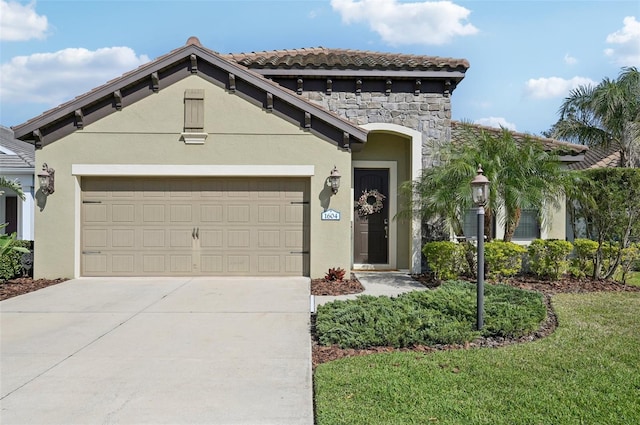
330, 215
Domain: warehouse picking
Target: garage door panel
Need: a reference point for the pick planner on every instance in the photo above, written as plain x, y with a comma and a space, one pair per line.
211, 213
123, 263
236, 226
153, 213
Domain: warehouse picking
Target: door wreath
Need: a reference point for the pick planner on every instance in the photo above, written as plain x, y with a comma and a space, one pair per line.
363, 205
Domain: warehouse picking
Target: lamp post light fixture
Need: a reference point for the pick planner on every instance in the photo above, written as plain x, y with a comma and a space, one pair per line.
334, 180
480, 196
47, 179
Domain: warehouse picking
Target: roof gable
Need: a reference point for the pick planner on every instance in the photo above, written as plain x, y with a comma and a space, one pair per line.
174, 66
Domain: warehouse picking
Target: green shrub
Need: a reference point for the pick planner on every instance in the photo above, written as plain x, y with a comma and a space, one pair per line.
630, 256
446, 315
548, 258
446, 259
11, 259
503, 259
584, 251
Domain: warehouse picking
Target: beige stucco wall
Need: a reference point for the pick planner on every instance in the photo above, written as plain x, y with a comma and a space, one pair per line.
383, 146
148, 132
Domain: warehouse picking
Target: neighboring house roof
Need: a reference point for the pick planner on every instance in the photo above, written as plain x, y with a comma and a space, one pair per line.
598, 157
14, 154
174, 66
567, 151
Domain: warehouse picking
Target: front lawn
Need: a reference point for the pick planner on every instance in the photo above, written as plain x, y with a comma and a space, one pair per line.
588, 372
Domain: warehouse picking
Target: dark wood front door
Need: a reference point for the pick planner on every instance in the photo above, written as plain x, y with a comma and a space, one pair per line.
371, 228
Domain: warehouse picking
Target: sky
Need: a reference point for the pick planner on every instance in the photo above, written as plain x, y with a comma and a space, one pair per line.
525, 56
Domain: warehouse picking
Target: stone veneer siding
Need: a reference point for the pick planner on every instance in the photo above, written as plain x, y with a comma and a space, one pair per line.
428, 113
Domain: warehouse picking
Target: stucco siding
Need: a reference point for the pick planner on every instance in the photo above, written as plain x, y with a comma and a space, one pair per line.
149, 132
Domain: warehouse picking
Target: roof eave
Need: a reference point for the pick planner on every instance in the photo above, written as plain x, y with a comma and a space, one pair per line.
25, 131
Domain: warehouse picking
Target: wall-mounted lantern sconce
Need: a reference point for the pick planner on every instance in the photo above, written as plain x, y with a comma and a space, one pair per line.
47, 179
334, 179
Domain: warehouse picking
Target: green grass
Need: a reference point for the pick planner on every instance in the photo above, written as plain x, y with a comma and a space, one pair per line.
633, 279
587, 372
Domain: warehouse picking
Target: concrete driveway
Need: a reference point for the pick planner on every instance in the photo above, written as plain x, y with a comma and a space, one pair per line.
158, 351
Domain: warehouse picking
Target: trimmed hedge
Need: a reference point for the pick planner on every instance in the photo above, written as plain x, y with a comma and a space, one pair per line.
446, 259
549, 257
503, 259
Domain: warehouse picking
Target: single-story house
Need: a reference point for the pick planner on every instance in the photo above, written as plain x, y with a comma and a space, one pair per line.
200, 163
17, 159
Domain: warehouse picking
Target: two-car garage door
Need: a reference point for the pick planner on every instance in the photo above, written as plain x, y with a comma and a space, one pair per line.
194, 226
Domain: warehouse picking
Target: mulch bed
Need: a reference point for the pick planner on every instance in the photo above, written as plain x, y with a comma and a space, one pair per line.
336, 287
14, 287
323, 354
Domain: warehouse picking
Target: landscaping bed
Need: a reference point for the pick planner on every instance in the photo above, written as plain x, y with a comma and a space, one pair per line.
22, 285
323, 354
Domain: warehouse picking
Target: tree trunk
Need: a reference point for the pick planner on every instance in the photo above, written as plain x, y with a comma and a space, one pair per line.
510, 225
488, 220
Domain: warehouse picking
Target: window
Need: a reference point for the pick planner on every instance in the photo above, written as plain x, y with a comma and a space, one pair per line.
529, 227
470, 225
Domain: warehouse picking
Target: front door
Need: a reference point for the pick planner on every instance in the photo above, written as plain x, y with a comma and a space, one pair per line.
371, 216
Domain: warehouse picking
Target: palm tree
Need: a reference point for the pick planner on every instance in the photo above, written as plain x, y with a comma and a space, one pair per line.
522, 175
605, 115
5, 183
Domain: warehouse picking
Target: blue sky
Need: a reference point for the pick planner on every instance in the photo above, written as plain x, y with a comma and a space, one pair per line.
525, 56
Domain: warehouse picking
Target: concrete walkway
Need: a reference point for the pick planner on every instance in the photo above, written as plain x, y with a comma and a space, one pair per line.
158, 351
378, 283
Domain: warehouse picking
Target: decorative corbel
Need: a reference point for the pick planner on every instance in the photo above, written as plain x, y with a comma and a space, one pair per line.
345, 141
447, 88
117, 95
329, 86
232, 83
79, 118
387, 91
269, 102
194, 64
307, 120
37, 137
300, 82
418, 86
155, 82
358, 86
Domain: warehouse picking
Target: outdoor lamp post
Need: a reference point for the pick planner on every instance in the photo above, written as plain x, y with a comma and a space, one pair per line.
480, 196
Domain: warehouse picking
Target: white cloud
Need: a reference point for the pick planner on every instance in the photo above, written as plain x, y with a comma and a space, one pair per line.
53, 78
21, 22
546, 88
570, 60
427, 22
496, 122
627, 41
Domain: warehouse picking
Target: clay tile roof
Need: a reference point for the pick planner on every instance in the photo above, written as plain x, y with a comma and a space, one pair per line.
560, 147
598, 157
321, 57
